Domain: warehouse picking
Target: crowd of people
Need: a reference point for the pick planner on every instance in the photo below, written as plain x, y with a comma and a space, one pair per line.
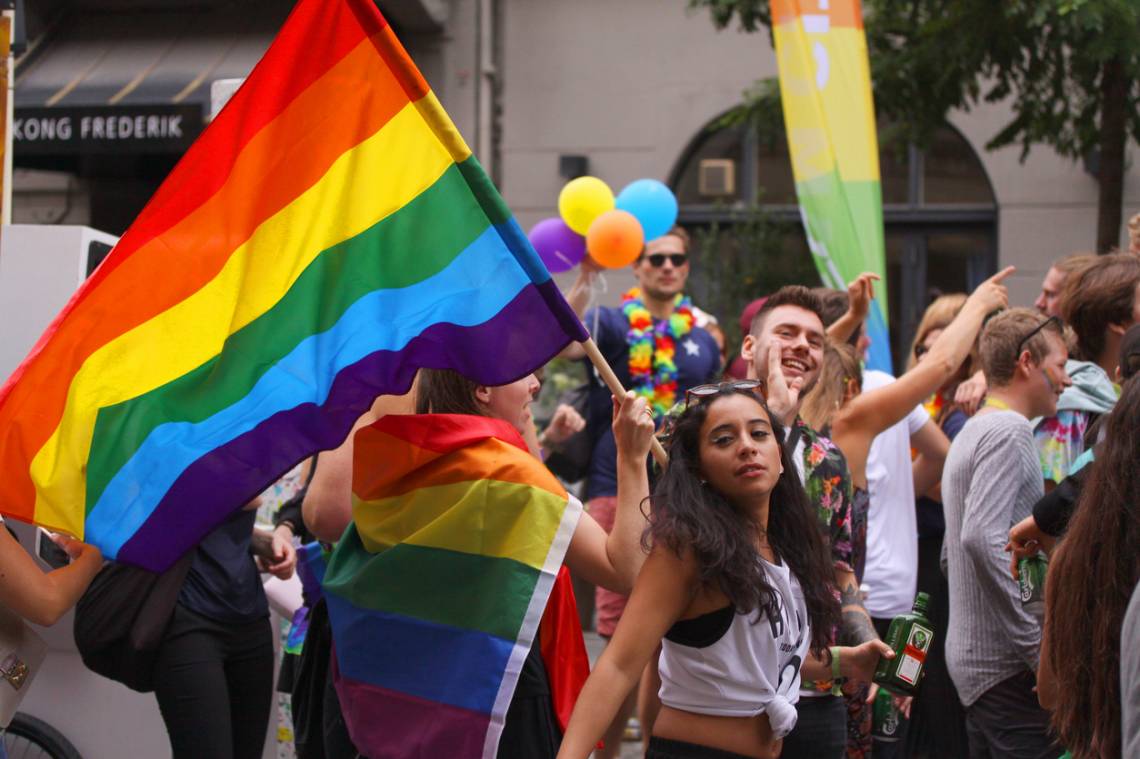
745, 588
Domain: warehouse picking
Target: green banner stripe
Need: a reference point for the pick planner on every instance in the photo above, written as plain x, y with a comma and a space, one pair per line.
447, 587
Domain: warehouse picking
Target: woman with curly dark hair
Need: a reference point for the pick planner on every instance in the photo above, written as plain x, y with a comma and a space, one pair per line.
738, 583
1091, 577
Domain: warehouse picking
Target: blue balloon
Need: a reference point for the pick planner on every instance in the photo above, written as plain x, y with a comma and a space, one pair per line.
652, 203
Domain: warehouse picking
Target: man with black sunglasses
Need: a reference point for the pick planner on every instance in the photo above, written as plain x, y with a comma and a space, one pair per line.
656, 347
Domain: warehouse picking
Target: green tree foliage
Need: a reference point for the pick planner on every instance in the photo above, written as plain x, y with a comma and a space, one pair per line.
1070, 70
755, 254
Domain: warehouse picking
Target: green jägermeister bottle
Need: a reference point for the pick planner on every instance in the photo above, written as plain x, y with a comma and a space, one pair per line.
910, 636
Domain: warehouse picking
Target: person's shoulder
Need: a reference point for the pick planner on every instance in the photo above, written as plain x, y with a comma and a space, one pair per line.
874, 378
953, 423
605, 315
608, 326
699, 344
814, 439
1000, 431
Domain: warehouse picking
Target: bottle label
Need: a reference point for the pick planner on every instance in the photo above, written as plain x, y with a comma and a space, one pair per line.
884, 719
1031, 581
914, 654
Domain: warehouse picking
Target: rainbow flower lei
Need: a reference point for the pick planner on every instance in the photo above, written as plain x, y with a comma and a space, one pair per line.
652, 348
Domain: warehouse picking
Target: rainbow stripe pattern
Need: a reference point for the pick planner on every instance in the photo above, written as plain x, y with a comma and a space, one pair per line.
829, 117
328, 234
436, 590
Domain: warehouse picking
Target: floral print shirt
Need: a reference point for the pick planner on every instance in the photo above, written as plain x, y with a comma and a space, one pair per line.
828, 485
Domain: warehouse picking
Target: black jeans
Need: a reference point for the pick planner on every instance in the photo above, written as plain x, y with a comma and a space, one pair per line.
820, 731
214, 684
937, 728
1006, 722
664, 748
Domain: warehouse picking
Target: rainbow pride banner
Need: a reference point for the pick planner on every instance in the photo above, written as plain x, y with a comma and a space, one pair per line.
436, 590
328, 234
829, 116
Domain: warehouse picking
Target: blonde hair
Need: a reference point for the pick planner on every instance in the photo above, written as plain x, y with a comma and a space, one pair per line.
938, 315
1001, 336
840, 366
1075, 262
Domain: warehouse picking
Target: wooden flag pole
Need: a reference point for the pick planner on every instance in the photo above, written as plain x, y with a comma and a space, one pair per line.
614, 384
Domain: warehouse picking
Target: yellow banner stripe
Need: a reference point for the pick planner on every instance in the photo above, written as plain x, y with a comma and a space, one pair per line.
484, 517
371, 181
828, 113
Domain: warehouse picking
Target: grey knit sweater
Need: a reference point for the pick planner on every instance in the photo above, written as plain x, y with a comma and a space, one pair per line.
991, 480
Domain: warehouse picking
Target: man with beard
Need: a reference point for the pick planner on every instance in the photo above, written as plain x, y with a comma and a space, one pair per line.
784, 349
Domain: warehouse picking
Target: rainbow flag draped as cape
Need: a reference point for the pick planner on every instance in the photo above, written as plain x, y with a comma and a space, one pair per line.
328, 234
829, 116
436, 590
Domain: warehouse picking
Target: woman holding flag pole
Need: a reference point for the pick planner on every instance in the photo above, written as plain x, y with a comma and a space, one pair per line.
449, 504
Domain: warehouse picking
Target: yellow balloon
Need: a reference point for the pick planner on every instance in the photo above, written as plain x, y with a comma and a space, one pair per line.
582, 200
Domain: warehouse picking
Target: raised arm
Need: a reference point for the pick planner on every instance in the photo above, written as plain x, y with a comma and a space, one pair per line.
41, 597
327, 508
578, 296
664, 590
872, 412
860, 293
932, 446
613, 561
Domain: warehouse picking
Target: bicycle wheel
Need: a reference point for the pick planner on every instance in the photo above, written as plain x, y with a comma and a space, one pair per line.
31, 738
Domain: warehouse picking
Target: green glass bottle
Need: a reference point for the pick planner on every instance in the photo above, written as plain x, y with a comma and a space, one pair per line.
910, 637
885, 718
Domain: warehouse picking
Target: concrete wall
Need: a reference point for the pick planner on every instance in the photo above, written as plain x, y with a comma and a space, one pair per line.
629, 84
1046, 205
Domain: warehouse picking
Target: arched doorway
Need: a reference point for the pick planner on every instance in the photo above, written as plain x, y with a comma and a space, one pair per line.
939, 209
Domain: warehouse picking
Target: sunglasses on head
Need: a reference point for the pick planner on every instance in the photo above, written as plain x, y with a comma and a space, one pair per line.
701, 393
657, 260
1034, 331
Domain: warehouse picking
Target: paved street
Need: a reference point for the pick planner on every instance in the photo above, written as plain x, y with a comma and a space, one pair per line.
594, 646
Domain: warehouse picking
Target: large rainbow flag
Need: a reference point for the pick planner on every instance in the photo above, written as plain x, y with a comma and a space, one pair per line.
829, 116
436, 590
329, 233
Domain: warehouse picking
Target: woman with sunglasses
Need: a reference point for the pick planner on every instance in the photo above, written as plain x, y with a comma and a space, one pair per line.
738, 583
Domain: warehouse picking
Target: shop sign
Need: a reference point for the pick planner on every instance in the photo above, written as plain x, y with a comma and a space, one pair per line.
129, 129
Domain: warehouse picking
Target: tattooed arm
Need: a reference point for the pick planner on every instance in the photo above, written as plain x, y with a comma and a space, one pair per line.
856, 626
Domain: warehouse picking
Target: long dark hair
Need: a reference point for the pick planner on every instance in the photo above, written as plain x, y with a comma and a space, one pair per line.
1091, 577
688, 515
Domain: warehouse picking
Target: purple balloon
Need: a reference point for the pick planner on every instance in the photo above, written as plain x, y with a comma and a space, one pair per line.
559, 246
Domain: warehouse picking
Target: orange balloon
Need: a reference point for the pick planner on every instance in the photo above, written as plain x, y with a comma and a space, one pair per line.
615, 239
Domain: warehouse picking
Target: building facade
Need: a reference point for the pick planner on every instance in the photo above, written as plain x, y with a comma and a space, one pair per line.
544, 90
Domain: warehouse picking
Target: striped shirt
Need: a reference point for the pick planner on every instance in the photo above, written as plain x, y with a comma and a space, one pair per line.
991, 480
